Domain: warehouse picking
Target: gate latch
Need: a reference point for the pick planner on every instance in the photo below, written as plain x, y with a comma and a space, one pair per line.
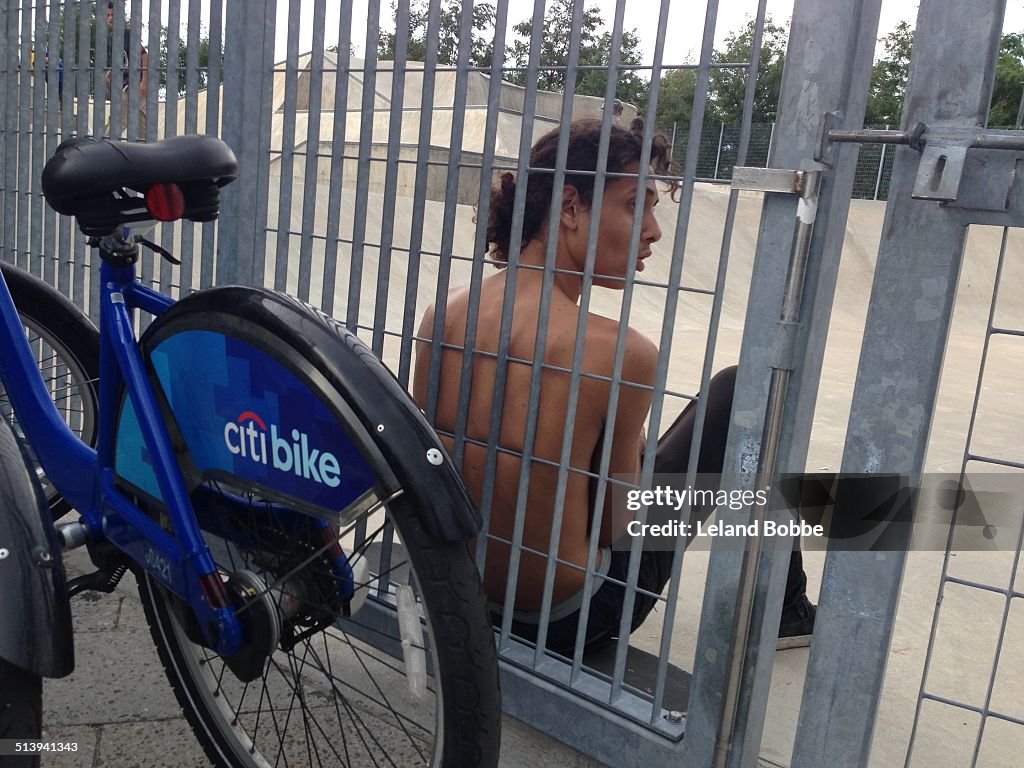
944, 159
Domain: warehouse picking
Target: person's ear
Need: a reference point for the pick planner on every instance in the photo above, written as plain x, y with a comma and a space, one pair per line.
572, 207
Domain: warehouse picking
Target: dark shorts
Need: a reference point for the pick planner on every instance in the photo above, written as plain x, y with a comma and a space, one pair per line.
606, 605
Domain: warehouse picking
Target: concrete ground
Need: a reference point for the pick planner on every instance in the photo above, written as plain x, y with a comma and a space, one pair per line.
120, 710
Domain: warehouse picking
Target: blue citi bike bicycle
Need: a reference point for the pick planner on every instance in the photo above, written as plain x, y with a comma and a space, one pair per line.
296, 530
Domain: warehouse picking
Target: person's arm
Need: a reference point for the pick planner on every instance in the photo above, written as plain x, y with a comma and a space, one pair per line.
638, 367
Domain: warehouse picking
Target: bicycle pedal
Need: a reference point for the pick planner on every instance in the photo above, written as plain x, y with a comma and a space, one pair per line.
98, 581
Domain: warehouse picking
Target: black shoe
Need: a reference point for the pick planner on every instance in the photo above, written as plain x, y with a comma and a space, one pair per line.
796, 625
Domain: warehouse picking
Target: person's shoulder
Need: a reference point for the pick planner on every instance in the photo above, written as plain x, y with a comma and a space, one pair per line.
640, 355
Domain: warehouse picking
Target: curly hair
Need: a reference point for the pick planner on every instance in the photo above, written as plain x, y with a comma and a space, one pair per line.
624, 149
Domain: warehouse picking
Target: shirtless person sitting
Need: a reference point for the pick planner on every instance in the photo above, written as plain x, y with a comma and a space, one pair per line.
592, 408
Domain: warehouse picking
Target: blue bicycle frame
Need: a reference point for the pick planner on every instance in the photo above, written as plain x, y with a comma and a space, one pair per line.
86, 478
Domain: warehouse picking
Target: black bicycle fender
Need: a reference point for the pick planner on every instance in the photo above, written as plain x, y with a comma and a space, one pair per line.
393, 430
35, 612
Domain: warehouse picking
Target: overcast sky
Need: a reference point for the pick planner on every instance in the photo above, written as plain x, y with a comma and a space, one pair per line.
684, 29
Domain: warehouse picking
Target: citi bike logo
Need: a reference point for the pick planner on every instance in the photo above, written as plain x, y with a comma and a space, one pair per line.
247, 437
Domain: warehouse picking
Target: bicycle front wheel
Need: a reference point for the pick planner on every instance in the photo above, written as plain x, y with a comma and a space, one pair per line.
369, 631
66, 348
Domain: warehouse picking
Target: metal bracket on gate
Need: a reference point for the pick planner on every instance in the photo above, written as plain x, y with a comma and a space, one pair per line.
983, 184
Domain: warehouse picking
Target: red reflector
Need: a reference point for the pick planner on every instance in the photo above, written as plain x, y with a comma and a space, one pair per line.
165, 201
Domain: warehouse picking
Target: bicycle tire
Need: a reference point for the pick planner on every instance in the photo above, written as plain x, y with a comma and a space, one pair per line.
21, 710
66, 347
355, 708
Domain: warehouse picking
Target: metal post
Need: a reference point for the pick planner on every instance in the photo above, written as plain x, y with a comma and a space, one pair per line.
901, 359
248, 86
812, 85
777, 389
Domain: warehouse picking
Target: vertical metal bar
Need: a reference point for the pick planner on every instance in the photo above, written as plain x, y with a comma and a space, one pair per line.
505, 330
192, 29
316, 79
634, 564
540, 341
419, 208
187, 229
67, 121
55, 72
921, 244
170, 120
108, 59
672, 599
134, 74
153, 46
342, 77
214, 76
35, 196
366, 119
480, 248
286, 161
452, 185
480, 243
10, 116
149, 263
387, 224
24, 135
847, 31
777, 389
248, 56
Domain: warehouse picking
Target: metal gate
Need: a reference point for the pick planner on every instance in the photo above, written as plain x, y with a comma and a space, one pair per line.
358, 181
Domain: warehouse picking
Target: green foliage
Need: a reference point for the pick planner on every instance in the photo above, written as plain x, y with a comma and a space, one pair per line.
595, 50
890, 73
676, 92
447, 39
889, 78
727, 88
204, 59
1008, 88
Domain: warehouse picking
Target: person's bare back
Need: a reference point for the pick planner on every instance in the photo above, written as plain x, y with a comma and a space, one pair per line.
587, 424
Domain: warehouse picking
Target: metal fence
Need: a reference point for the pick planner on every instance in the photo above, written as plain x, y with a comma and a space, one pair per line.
719, 145
357, 191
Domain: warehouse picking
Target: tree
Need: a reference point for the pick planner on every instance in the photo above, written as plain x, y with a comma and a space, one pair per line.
204, 59
890, 74
727, 87
447, 38
676, 92
595, 50
1009, 82
889, 77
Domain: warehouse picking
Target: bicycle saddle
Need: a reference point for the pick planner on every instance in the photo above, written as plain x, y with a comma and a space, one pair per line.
86, 178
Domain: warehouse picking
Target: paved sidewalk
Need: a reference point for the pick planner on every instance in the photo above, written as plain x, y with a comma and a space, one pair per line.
119, 708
